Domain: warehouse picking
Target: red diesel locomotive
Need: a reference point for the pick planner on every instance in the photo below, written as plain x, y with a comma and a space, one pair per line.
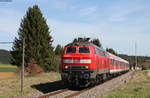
83, 63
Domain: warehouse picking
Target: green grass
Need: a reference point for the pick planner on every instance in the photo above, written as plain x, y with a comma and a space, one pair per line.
5, 64
137, 87
8, 68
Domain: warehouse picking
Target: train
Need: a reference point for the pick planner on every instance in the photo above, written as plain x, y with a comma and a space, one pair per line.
84, 64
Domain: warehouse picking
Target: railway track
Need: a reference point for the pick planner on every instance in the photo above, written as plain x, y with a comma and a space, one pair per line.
53, 93
61, 93
84, 93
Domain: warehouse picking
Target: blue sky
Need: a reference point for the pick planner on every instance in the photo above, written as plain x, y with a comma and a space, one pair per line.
117, 23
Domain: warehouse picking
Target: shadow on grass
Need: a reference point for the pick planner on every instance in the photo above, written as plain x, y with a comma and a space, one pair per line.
54, 86
49, 87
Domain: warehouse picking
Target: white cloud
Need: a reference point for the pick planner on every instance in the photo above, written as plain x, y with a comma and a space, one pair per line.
121, 12
9, 19
62, 5
66, 31
120, 38
88, 11
9, 24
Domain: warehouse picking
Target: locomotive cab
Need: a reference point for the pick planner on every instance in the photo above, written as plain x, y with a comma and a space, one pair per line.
76, 64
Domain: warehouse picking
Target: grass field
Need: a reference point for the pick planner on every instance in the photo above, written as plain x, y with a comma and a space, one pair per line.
137, 87
8, 68
10, 87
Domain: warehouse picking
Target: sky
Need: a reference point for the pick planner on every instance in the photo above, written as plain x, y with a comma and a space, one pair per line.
119, 24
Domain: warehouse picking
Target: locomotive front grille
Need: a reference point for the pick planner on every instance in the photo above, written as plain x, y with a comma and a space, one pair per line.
77, 67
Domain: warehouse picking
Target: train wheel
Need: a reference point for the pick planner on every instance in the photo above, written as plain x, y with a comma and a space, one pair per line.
97, 79
93, 83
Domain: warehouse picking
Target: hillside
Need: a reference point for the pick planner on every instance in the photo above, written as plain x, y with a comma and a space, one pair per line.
5, 57
132, 57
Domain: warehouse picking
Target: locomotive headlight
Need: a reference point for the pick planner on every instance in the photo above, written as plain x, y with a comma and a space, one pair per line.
68, 61
66, 67
85, 61
86, 67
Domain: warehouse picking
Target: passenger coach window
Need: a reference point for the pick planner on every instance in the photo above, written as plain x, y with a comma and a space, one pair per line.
100, 52
84, 50
71, 50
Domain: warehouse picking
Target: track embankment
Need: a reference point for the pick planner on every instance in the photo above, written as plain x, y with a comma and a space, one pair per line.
93, 92
107, 86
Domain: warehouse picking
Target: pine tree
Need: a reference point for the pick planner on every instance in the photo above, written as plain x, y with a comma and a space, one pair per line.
58, 50
110, 50
96, 42
38, 42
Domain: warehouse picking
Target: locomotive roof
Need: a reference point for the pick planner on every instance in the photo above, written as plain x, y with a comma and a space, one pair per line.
83, 43
116, 58
91, 44
80, 43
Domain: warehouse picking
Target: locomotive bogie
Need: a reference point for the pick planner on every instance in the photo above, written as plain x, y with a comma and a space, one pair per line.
78, 78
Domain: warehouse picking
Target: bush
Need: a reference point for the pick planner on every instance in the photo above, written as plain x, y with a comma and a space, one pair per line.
57, 62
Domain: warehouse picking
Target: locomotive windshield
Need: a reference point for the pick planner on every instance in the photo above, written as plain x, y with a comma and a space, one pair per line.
71, 50
84, 50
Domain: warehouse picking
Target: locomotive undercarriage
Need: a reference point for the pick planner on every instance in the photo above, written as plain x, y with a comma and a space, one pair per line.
78, 78
82, 78
85, 78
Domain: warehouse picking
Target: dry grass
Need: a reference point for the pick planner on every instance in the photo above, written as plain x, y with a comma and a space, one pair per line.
148, 73
7, 66
10, 87
7, 75
137, 87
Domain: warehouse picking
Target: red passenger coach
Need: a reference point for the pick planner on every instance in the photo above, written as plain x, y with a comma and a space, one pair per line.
83, 63
117, 64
